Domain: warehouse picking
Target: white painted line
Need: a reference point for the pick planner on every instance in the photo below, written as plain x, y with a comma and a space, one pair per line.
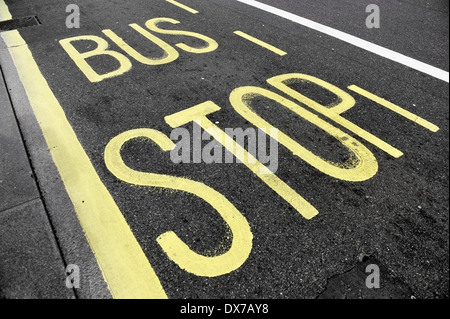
363, 44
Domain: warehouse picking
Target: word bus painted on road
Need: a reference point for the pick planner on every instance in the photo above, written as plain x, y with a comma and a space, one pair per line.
168, 53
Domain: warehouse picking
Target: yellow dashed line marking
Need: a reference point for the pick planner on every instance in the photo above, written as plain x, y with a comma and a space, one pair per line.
4, 11
260, 43
395, 108
182, 6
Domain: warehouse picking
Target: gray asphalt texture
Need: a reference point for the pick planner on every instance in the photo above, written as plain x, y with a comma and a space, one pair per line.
398, 219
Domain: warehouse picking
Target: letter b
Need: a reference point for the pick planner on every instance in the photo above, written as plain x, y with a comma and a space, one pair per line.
101, 49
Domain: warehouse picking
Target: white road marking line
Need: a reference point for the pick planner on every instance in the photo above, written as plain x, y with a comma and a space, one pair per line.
363, 44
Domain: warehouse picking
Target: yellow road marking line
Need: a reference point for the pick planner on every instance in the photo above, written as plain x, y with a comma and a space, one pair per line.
260, 43
125, 267
395, 108
182, 6
4, 11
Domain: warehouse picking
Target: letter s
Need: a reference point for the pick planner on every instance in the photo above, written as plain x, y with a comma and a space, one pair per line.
172, 245
211, 44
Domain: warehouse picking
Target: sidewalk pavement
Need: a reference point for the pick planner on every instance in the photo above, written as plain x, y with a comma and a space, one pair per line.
31, 265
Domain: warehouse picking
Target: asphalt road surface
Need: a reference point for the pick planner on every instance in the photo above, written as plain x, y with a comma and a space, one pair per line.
356, 202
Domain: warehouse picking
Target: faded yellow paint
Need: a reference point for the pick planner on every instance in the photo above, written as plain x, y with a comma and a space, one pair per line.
198, 115
174, 247
124, 265
4, 11
260, 43
395, 108
101, 49
346, 102
211, 44
183, 6
362, 164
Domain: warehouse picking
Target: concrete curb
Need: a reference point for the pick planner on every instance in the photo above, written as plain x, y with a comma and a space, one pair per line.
33, 265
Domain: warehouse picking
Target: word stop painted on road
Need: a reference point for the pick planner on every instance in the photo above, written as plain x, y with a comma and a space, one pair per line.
362, 164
